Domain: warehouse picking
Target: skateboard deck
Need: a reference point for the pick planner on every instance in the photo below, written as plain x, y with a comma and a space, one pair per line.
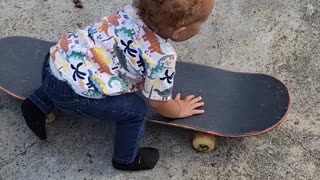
236, 104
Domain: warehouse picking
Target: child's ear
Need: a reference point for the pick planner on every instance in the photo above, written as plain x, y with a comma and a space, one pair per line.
178, 32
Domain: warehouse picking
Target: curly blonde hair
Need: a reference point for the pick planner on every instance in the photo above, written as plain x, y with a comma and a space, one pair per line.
174, 13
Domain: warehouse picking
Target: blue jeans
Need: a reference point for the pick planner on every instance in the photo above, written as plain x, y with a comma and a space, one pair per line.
128, 111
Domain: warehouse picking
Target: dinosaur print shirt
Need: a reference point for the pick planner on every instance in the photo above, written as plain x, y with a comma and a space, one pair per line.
116, 56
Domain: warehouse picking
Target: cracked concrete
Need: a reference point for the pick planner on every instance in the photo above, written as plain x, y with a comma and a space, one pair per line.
281, 38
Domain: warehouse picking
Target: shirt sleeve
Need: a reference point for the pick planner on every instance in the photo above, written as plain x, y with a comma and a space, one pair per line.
159, 79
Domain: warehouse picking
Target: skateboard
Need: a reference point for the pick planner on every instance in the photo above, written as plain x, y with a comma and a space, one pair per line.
237, 104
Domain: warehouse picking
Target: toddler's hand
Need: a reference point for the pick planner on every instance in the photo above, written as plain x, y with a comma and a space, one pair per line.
189, 105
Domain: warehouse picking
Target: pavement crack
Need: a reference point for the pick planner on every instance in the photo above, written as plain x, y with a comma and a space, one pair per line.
303, 147
22, 153
309, 151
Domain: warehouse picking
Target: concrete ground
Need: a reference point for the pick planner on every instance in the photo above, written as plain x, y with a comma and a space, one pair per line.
281, 38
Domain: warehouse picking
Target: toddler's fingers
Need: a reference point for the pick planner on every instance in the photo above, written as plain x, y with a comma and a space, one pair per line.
178, 96
196, 111
197, 105
196, 100
188, 98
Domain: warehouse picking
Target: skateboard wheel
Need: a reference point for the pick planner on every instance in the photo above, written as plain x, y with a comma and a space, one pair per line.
203, 142
50, 118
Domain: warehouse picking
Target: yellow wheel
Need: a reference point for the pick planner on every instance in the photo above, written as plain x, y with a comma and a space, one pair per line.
50, 118
203, 142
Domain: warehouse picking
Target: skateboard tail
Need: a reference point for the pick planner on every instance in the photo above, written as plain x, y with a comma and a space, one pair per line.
256, 133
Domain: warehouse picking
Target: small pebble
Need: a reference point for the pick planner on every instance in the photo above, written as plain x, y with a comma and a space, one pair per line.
177, 149
78, 3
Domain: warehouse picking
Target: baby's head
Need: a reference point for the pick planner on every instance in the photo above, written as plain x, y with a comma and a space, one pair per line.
178, 20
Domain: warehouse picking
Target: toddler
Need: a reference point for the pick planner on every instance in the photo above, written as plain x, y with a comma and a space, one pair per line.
95, 73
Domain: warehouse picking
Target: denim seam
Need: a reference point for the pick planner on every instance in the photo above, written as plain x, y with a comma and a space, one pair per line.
120, 112
136, 151
39, 103
69, 103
